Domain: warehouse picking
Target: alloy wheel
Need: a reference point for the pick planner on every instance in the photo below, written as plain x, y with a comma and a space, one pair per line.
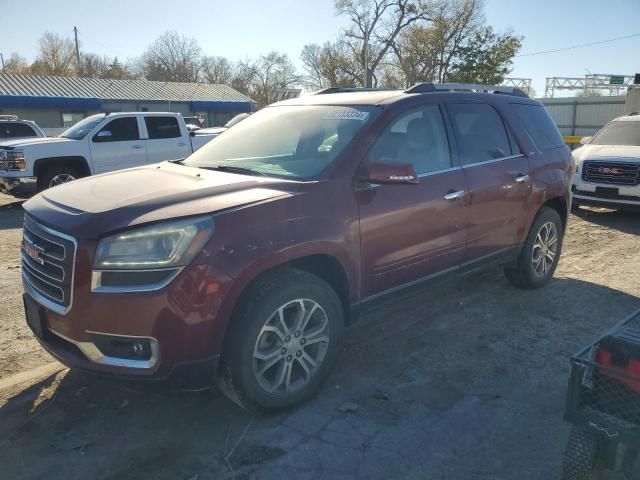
60, 179
544, 249
291, 346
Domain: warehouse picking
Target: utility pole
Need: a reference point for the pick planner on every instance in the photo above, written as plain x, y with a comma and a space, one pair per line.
75, 33
2, 60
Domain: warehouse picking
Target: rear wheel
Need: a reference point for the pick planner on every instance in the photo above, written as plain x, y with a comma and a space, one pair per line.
57, 175
284, 340
540, 253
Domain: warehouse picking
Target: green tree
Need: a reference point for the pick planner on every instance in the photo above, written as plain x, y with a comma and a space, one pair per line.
486, 57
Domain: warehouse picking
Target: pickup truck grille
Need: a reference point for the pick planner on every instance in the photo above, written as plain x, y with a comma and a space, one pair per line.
613, 173
48, 259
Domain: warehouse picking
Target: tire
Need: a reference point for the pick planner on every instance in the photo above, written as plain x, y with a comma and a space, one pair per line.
266, 364
582, 456
50, 176
525, 273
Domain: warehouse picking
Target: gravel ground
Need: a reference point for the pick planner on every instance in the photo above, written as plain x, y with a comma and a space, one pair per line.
465, 380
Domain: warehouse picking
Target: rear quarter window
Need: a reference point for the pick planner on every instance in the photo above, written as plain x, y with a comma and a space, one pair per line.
539, 125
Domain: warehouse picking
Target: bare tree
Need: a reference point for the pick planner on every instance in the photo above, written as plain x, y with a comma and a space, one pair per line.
375, 25
330, 65
217, 70
16, 64
426, 52
56, 56
261, 78
172, 58
93, 65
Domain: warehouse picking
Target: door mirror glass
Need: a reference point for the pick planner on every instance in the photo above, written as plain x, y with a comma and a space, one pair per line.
387, 172
585, 140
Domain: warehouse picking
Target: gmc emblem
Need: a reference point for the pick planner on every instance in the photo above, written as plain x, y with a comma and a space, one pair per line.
33, 250
611, 170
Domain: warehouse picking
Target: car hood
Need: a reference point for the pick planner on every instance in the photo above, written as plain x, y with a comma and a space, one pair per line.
92, 206
23, 142
607, 152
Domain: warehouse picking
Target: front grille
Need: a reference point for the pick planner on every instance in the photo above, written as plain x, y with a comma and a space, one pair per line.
48, 274
613, 173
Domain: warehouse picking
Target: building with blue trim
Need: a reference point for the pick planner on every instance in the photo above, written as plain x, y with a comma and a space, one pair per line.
55, 103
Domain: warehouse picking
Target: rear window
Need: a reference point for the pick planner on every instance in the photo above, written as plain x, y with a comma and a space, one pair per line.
162, 127
16, 130
539, 126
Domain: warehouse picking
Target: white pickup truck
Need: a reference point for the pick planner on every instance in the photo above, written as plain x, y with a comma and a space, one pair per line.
97, 144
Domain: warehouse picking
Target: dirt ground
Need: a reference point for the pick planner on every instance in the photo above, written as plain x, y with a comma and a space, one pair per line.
465, 380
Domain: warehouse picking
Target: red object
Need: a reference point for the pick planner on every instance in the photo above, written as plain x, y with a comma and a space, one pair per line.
370, 241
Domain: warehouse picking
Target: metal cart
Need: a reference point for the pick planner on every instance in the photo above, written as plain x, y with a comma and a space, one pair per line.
603, 404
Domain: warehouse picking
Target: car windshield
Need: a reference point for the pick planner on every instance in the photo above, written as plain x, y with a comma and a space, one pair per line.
237, 119
619, 133
285, 141
83, 127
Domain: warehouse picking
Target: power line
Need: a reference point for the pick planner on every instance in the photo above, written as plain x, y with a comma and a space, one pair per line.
578, 46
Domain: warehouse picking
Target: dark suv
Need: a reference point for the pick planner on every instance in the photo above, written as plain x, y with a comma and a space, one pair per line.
244, 262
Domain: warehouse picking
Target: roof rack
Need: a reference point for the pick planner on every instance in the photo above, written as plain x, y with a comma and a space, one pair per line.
429, 87
8, 117
325, 91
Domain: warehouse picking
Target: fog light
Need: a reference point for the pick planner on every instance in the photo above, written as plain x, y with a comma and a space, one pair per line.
138, 349
134, 348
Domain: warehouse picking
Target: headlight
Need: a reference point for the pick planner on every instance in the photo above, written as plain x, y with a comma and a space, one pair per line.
164, 245
12, 160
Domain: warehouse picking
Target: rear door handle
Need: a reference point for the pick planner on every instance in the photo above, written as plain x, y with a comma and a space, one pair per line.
453, 195
522, 178
137, 147
181, 144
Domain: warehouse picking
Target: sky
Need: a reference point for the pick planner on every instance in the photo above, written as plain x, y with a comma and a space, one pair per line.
239, 29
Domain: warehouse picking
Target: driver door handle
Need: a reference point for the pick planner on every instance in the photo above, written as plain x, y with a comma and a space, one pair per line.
137, 147
453, 195
522, 178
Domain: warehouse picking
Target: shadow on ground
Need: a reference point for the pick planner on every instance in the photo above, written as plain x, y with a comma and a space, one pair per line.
624, 221
464, 380
11, 215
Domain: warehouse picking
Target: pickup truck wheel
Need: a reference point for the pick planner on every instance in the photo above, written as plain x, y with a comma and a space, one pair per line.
55, 176
284, 340
540, 253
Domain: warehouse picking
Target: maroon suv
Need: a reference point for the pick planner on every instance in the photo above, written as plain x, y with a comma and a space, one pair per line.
245, 261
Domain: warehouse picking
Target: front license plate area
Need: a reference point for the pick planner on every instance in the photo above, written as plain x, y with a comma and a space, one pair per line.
607, 192
35, 316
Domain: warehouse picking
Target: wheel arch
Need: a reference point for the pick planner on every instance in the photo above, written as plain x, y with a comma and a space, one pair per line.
559, 204
325, 266
77, 162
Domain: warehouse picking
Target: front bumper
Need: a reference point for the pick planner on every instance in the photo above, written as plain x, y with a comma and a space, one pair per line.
179, 323
16, 183
590, 193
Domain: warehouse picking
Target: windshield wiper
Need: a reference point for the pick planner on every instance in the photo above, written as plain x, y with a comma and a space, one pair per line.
232, 169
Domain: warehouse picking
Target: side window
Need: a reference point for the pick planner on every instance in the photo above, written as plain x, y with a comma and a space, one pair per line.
480, 132
162, 127
539, 126
119, 130
417, 137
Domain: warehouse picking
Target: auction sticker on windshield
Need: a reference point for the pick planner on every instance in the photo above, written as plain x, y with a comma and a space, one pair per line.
347, 115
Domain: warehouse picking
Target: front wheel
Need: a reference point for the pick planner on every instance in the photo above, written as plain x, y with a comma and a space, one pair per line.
284, 340
540, 253
55, 176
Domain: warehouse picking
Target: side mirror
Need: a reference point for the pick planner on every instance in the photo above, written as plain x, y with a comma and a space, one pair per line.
103, 136
585, 140
385, 172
